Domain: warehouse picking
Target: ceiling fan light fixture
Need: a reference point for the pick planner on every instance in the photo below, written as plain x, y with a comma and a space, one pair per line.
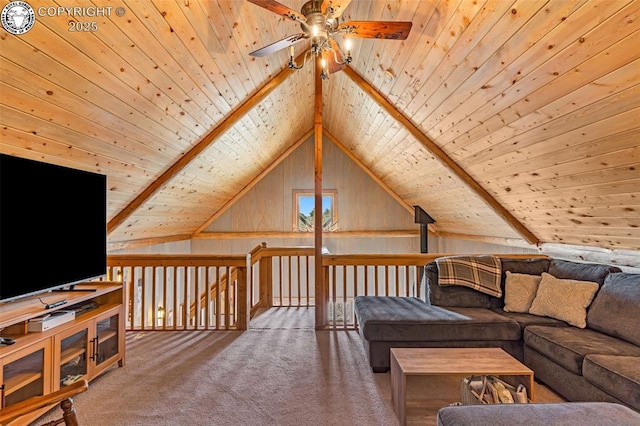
320, 22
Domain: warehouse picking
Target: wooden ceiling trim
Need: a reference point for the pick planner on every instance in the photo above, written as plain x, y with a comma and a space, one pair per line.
201, 229
142, 242
573, 51
442, 156
304, 235
208, 139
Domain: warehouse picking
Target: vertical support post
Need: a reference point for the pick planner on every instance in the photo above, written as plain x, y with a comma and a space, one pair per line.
266, 281
321, 291
244, 298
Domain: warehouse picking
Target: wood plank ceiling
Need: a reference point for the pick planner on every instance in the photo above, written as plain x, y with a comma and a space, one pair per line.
505, 120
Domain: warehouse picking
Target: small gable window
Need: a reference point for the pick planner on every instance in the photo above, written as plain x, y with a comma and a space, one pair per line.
304, 211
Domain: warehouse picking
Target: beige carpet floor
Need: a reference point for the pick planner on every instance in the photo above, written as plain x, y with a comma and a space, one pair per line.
280, 372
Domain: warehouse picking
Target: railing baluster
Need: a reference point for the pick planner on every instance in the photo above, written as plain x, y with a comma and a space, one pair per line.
308, 280
298, 281
344, 296
226, 300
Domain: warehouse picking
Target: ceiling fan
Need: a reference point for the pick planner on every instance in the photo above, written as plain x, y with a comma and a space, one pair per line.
320, 22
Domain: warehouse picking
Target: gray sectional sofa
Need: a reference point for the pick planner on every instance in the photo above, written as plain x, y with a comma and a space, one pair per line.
598, 360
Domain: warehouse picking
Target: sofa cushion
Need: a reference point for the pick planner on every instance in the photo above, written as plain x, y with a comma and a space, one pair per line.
616, 308
566, 413
616, 375
564, 299
567, 346
532, 266
525, 320
519, 291
383, 318
580, 271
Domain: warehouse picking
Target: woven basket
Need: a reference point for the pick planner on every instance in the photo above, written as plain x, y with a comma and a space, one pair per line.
477, 390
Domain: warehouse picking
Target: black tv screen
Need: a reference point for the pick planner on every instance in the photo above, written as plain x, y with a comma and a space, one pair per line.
53, 223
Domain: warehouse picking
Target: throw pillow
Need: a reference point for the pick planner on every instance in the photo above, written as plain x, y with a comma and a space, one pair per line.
566, 300
519, 291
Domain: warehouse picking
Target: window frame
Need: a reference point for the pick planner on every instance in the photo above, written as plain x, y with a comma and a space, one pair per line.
332, 194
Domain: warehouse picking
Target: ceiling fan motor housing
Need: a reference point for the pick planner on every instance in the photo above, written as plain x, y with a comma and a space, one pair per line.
312, 10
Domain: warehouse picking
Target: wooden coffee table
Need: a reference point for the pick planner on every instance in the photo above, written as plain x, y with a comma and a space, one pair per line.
423, 380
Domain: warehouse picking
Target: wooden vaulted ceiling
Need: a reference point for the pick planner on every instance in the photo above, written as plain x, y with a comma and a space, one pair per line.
505, 120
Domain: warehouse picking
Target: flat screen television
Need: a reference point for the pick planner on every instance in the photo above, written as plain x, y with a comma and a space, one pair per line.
53, 223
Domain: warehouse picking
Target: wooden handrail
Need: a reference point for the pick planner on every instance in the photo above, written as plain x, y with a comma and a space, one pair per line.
38, 402
418, 259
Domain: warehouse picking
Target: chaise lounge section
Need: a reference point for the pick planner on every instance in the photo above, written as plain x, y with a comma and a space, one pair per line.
585, 354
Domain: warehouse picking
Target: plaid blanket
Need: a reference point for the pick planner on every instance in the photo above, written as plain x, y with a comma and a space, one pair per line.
481, 273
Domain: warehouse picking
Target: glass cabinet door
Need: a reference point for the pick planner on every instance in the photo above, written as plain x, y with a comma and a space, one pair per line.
24, 375
73, 357
106, 340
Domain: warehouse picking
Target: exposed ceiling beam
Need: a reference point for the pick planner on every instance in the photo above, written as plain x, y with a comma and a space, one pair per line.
253, 183
206, 141
121, 245
441, 155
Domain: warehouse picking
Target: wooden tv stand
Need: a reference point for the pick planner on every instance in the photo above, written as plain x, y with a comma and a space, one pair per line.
39, 363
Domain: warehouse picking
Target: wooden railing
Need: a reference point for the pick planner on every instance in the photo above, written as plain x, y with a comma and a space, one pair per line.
348, 276
220, 292
182, 292
282, 276
285, 277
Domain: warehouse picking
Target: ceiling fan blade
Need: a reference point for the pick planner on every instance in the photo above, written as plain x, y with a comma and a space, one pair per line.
279, 45
333, 64
334, 8
376, 29
280, 9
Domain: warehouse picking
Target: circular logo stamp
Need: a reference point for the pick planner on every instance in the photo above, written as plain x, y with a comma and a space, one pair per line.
18, 17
